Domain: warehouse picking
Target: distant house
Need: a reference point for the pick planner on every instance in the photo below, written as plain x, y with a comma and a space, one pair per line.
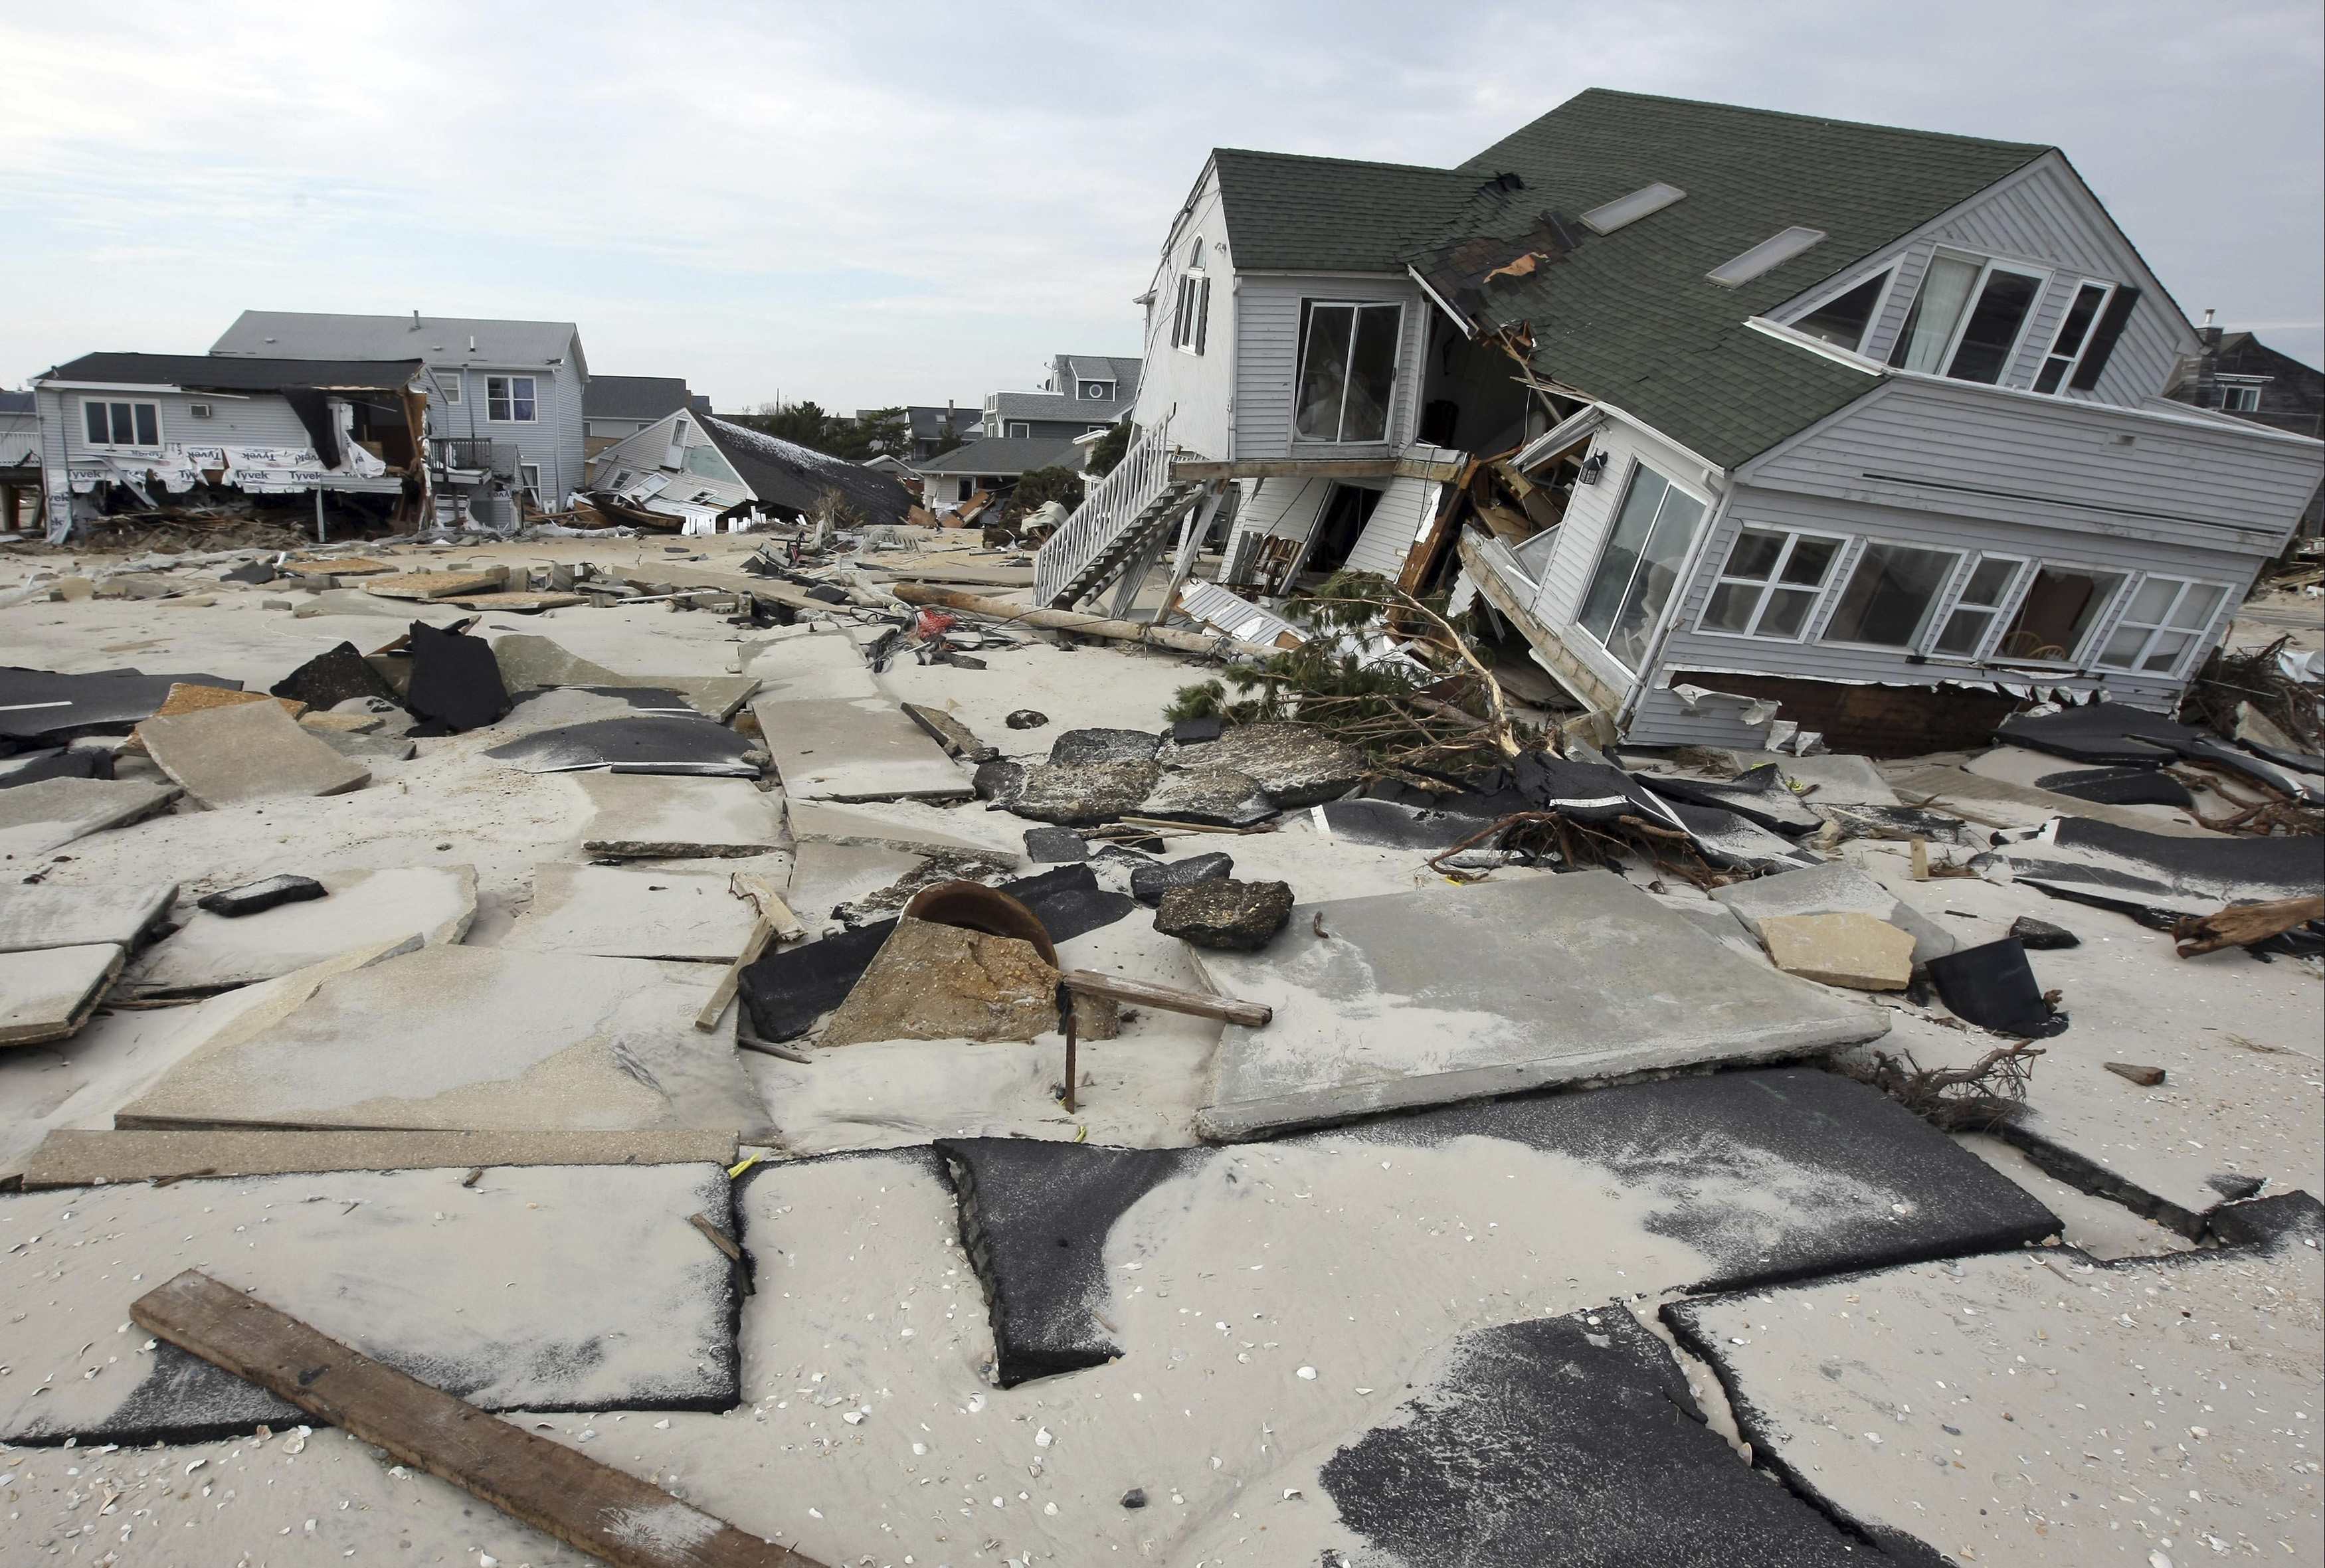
940, 429
615, 406
993, 464
708, 476
19, 456
505, 398
119, 430
1084, 393
2236, 373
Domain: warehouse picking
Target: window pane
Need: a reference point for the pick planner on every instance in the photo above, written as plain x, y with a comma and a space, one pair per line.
2195, 611
1323, 370
124, 430
1811, 559
1619, 557
100, 430
1755, 555
1843, 322
1987, 582
1992, 329
1964, 629
1658, 574
2057, 612
525, 396
1372, 378
2169, 646
1889, 596
1731, 607
2052, 372
1787, 611
2124, 647
149, 425
1930, 325
2154, 597
2078, 323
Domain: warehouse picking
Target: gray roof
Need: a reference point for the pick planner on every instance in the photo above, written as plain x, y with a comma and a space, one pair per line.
16, 403
634, 397
205, 371
1056, 408
1003, 455
437, 339
1102, 367
1289, 213
928, 419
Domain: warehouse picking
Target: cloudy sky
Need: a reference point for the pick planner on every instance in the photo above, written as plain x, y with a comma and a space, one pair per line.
901, 202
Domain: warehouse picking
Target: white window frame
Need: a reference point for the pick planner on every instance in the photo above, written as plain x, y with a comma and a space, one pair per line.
2004, 603
1838, 587
1986, 267
1186, 321
450, 387
1105, 393
509, 397
2242, 389
1307, 308
1019, 431
133, 403
1670, 487
2075, 360
1889, 276
2101, 622
528, 477
1769, 584
2197, 635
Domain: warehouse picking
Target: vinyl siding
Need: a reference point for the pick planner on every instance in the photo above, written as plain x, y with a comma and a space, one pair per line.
261, 419
1285, 508
1389, 533
645, 451
554, 440
1196, 390
1267, 362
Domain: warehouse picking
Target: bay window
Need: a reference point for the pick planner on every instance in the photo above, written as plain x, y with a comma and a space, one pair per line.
1347, 370
1770, 584
2164, 621
1639, 564
1966, 318
1890, 595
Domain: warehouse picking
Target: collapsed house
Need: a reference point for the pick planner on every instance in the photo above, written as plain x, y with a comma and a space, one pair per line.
120, 431
1732, 414
698, 474
20, 456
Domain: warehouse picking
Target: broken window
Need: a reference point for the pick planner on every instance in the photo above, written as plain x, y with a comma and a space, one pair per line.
1638, 565
1347, 370
1842, 319
2074, 334
1771, 583
1890, 595
1966, 317
121, 424
1981, 600
510, 398
2060, 607
2164, 619
1340, 523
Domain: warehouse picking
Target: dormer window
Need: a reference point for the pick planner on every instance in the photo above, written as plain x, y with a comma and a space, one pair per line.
1966, 318
1842, 319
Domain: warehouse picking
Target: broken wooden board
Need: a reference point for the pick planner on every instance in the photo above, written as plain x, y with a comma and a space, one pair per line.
607, 1513
87, 1158
537, 1288
435, 585
51, 813
47, 995
39, 916
431, 904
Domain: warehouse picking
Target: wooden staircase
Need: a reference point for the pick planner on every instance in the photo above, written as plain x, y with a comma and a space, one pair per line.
1120, 523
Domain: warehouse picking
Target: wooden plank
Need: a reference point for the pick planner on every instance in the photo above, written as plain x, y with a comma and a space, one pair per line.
1169, 998
583, 1503
1319, 468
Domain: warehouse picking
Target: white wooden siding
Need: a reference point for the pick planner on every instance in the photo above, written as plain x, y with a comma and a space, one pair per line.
1389, 533
1200, 387
1267, 362
1281, 508
255, 420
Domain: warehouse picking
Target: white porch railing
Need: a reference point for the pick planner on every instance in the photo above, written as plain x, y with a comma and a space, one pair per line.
1109, 511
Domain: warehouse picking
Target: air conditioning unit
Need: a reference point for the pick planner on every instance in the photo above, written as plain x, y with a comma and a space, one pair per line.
199, 410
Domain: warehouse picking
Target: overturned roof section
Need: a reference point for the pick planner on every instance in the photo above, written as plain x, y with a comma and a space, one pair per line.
1004, 456
634, 397
1289, 213
787, 475
437, 339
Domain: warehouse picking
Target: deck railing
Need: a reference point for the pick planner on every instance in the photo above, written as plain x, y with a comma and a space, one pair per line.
1111, 507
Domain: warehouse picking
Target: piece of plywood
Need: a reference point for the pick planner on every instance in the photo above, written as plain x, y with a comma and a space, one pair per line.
611, 1515
88, 1157
47, 995
39, 916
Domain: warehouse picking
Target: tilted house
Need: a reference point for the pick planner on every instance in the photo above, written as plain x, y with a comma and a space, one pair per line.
1830, 416
706, 473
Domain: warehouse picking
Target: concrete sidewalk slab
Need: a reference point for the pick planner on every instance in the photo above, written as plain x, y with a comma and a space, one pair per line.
1419, 999
35, 916
35, 819
632, 912
224, 756
48, 994
657, 816
837, 735
544, 1288
85, 1156
210, 951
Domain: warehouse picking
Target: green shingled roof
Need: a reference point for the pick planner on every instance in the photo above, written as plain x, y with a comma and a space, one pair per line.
1629, 318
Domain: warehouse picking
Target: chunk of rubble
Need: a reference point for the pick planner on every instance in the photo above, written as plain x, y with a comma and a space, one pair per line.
1835, 888
1150, 880
1220, 797
48, 993
44, 707
659, 817
1296, 764
1077, 748
339, 675
55, 762
1055, 846
216, 949
36, 915
1994, 987
1223, 914
2041, 935
1083, 795
257, 898
35, 819
930, 981
456, 683
1851, 950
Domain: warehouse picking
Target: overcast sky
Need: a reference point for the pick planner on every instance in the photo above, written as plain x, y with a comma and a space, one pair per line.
901, 202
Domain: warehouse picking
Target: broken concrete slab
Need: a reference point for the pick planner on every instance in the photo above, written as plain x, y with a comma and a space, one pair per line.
213, 951
1889, 1398
1595, 1443
1077, 748
1835, 888
836, 735
454, 685
47, 995
80, 1158
1851, 950
186, 699
35, 819
433, 585
1149, 881
1055, 846
1372, 1015
45, 707
453, 1039
55, 762
1223, 914
32, 917
336, 676
598, 1292
948, 731
913, 828
1081, 794
1221, 797
531, 663
1297, 764
941, 983
632, 912
254, 751
652, 816
647, 744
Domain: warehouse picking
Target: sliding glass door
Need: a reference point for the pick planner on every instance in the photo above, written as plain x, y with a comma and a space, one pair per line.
1639, 564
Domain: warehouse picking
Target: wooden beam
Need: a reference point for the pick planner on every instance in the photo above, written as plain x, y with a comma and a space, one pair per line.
601, 1510
1169, 998
1319, 468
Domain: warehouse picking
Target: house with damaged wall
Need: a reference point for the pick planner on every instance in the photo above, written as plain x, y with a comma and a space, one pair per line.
122, 431
1740, 417
698, 474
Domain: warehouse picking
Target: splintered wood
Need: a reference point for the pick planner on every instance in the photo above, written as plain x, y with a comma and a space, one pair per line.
603, 1511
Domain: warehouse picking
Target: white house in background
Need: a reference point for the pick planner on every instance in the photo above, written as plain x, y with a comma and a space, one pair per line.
1837, 416
709, 474
505, 398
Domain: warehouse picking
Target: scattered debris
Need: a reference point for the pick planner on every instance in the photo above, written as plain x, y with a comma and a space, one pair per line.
1852, 950
1993, 987
257, 898
2041, 935
2246, 924
1222, 914
2146, 1077
224, 756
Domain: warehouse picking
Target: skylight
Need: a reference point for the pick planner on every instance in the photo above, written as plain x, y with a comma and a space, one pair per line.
1769, 253
1631, 208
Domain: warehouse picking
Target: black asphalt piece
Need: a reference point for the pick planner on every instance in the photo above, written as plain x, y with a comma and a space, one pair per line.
2125, 786
1055, 846
1223, 914
1149, 882
1034, 1225
2041, 935
2299, 761
2124, 868
1759, 796
1195, 731
2301, 786
785, 992
31, 767
827, 594
1993, 987
2098, 732
2284, 1219
1393, 825
650, 744
253, 572
257, 898
456, 681
1026, 719
330, 679
1730, 838
1000, 780
1896, 822
1569, 1440
1076, 747
40, 707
